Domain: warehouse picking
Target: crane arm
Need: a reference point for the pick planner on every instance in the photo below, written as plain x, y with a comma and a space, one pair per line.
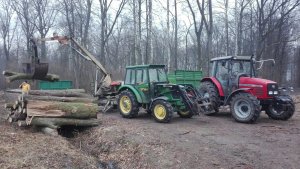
89, 55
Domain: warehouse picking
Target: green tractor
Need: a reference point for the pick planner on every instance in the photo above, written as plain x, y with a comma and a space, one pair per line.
147, 86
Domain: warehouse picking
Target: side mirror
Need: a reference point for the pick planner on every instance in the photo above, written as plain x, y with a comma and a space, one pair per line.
261, 62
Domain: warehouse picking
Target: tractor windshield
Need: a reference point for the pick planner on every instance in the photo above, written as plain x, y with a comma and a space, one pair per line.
242, 67
157, 75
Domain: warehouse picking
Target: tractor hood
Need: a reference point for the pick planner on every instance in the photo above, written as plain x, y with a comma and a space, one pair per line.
255, 81
260, 87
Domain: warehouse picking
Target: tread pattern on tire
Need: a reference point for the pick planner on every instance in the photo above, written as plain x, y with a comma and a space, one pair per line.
284, 116
169, 110
213, 94
255, 104
135, 107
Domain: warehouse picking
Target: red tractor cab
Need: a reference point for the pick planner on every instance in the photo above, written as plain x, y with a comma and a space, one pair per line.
233, 82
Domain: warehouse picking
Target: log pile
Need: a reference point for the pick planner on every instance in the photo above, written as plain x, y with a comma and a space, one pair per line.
12, 76
54, 113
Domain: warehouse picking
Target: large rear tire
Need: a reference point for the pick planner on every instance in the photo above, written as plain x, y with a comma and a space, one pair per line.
209, 91
162, 111
245, 108
128, 105
275, 113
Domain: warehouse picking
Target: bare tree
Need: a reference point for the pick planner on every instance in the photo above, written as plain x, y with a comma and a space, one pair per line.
26, 17
176, 36
106, 29
198, 31
6, 27
45, 19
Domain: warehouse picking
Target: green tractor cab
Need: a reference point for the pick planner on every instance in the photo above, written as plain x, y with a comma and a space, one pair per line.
147, 86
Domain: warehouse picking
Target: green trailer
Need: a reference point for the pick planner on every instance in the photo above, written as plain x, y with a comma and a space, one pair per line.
59, 85
186, 77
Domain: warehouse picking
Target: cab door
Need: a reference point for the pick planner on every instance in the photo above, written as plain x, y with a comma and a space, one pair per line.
223, 75
142, 84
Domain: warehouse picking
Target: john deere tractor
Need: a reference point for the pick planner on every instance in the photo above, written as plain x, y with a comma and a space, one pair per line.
147, 86
234, 82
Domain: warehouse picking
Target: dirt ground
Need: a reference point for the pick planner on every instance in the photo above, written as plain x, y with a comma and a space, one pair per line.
201, 142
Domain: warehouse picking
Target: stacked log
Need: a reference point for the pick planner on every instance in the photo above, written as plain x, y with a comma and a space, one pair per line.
69, 95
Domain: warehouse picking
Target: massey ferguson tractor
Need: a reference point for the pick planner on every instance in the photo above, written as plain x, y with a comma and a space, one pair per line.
233, 82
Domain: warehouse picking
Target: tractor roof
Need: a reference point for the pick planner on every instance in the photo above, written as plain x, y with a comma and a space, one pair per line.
146, 66
232, 57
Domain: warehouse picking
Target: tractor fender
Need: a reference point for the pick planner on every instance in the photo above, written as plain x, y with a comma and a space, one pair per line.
214, 81
133, 90
158, 98
234, 93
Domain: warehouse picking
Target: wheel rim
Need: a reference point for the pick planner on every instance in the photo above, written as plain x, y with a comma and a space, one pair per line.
207, 108
160, 112
206, 95
125, 104
275, 111
242, 108
185, 113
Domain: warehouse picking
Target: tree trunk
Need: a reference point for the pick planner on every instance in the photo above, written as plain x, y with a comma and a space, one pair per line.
226, 28
176, 38
61, 99
56, 123
63, 93
12, 76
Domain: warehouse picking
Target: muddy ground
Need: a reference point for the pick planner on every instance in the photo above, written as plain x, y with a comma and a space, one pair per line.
201, 142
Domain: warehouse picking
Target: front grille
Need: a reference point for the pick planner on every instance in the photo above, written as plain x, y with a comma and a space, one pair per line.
258, 91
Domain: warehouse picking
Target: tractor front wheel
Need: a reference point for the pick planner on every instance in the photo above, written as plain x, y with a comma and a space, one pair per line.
277, 112
162, 111
128, 105
210, 92
245, 108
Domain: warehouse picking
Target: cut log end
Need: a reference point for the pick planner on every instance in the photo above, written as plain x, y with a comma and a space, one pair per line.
22, 123
49, 131
8, 105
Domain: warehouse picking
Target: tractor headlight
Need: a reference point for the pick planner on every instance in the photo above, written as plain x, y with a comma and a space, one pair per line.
272, 89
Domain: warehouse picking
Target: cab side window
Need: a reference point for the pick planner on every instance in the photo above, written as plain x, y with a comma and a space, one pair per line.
139, 76
145, 76
222, 71
127, 76
132, 79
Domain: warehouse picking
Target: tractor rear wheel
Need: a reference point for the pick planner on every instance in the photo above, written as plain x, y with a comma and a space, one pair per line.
128, 105
162, 111
208, 90
185, 114
277, 113
245, 108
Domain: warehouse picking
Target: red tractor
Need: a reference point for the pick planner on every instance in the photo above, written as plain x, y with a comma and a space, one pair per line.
233, 82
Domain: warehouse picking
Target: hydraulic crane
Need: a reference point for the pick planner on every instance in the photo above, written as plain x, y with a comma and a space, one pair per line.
104, 88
